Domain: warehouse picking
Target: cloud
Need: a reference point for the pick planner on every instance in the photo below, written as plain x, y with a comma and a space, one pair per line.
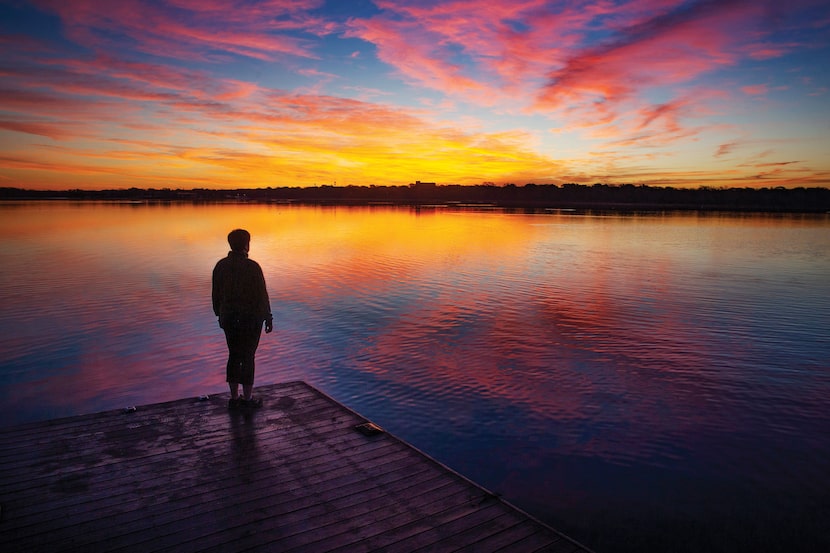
56, 131
482, 52
191, 127
413, 53
726, 149
589, 65
59, 116
189, 29
504, 47
159, 89
668, 49
755, 90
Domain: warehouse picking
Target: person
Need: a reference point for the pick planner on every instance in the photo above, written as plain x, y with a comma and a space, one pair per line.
240, 300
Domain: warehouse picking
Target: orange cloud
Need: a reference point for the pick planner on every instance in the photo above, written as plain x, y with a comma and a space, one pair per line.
226, 137
726, 149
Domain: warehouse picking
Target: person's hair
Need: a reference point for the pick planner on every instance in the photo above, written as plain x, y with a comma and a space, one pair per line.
238, 239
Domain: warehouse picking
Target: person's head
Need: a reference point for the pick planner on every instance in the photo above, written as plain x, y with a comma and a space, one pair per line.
239, 240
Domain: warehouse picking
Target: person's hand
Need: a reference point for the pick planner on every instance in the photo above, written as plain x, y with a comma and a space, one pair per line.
269, 325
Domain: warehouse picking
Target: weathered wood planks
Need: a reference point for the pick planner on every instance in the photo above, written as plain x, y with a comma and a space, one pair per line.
295, 475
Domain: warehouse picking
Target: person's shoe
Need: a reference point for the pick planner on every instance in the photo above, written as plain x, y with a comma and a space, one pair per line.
253, 403
234, 403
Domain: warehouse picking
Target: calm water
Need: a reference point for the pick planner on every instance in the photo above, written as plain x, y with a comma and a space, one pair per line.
643, 383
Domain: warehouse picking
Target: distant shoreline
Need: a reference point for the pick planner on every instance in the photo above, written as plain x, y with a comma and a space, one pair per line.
598, 197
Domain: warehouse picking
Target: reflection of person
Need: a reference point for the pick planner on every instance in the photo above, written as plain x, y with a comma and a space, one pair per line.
240, 300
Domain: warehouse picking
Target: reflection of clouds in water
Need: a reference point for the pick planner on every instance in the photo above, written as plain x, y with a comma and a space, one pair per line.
101, 321
528, 353
604, 343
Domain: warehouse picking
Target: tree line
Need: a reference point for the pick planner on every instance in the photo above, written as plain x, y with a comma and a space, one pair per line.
531, 196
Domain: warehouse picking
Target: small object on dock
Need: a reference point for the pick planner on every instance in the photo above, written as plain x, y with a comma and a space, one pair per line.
369, 429
130, 409
204, 397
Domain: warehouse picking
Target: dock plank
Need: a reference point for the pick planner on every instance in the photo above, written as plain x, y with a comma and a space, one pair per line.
191, 475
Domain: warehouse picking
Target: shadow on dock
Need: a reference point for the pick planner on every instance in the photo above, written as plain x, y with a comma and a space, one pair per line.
298, 474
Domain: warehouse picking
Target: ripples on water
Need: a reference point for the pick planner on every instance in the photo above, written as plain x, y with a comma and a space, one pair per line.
641, 382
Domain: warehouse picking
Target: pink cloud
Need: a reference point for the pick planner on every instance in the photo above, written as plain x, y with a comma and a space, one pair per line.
415, 54
484, 53
755, 90
64, 89
55, 131
34, 104
668, 114
188, 29
667, 50
508, 46
104, 76
767, 51
592, 63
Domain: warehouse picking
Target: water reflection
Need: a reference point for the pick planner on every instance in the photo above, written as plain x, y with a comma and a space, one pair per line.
615, 375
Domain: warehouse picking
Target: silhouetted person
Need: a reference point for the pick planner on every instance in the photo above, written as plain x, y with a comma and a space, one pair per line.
240, 300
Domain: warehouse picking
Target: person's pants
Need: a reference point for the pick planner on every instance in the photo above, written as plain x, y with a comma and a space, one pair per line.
243, 339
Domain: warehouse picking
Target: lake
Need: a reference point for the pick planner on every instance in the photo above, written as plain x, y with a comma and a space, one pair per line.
642, 382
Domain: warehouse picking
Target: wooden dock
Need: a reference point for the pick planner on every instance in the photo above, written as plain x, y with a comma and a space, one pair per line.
192, 475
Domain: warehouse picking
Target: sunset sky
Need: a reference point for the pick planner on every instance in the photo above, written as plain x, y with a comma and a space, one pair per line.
228, 94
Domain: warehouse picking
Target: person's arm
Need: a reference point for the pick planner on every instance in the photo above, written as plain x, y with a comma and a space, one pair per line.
215, 291
265, 303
